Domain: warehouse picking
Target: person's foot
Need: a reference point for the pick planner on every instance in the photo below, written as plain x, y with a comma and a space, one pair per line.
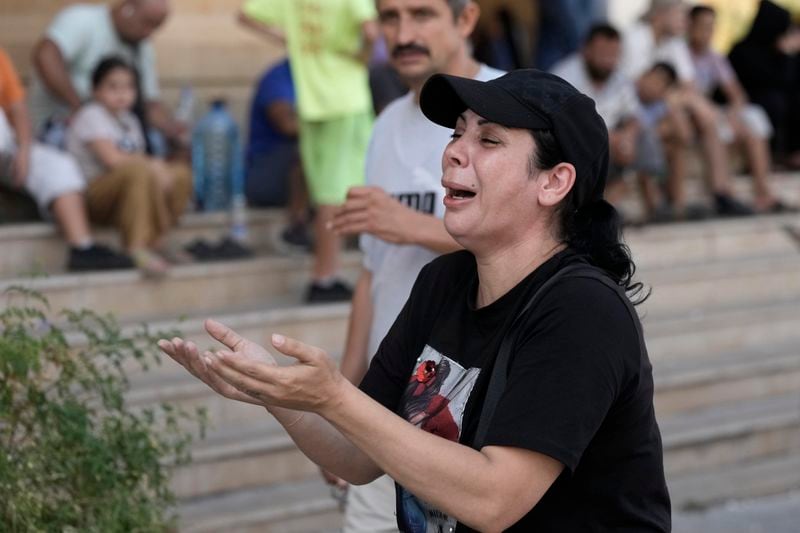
97, 257
291, 239
150, 263
296, 235
335, 291
229, 248
728, 206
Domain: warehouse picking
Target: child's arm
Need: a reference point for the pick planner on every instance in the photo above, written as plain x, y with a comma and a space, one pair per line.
369, 34
109, 155
267, 30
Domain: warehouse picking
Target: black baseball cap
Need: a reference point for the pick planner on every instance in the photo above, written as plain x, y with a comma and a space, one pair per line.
534, 100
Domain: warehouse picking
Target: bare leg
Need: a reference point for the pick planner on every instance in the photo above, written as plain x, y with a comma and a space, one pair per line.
758, 159
297, 209
675, 133
69, 211
327, 244
615, 191
705, 119
651, 194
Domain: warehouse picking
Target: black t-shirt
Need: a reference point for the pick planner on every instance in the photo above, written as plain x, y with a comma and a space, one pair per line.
580, 390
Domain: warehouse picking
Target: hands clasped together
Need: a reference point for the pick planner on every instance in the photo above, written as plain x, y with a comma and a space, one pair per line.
247, 372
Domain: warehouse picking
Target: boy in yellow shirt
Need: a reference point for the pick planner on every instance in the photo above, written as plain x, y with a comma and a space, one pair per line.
328, 43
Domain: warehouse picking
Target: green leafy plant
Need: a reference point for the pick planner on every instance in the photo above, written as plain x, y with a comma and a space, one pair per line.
73, 455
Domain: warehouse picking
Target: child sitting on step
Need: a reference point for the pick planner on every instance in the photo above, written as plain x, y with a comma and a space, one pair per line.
142, 196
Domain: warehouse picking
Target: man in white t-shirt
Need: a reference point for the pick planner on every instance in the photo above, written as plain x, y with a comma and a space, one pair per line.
594, 71
659, 37
398, 213
80, 36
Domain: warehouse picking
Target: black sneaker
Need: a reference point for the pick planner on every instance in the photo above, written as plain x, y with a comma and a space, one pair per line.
728, 206
296, 236
201, 250
228, 248
335, 292
97, 257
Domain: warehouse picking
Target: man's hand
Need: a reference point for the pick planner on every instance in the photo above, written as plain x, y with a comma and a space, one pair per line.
371, 210
21, 167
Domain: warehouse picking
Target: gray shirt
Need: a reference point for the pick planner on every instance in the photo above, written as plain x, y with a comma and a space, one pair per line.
94, 122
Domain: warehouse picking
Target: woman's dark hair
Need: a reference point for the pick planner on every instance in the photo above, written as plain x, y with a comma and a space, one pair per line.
106, 66
593, 230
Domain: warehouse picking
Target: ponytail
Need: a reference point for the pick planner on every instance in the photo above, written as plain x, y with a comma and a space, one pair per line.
593, 230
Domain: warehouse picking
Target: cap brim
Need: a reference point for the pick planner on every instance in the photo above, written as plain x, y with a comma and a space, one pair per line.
444, 98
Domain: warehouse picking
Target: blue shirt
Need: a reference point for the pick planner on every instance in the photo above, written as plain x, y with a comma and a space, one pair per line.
275, 86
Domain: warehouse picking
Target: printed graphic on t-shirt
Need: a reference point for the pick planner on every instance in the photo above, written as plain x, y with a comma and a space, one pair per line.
434, 400
424, 202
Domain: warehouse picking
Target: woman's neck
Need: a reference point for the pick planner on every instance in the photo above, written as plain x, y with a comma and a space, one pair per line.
501, 270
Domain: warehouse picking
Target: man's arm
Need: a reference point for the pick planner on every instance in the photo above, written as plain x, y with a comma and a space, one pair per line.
20, 122
283, 117
159, 117
354, 361
371, 210
52, 70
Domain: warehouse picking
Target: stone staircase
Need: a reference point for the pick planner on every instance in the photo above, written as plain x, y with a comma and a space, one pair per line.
722, 326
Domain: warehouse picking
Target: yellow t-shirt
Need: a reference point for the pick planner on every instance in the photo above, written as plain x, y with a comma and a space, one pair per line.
322, 39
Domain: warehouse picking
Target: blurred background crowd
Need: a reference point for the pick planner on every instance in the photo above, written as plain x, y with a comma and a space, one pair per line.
87, 136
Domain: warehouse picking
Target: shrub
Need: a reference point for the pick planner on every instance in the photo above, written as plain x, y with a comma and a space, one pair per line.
73, 455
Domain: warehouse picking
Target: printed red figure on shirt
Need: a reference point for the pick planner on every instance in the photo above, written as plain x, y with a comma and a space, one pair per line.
424, 406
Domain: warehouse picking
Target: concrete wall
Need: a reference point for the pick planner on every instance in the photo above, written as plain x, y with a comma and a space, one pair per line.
200, 44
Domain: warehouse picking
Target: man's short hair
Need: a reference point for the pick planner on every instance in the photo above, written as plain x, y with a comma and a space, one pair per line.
701, 9
666, 69
456, 6
603, 29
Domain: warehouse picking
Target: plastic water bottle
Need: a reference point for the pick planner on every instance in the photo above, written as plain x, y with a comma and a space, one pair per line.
216, 158
239, 202
184, 112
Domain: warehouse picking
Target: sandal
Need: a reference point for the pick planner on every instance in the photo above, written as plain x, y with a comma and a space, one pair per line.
150, 264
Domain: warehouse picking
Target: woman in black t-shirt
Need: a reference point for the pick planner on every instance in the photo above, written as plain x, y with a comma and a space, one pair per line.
571, 441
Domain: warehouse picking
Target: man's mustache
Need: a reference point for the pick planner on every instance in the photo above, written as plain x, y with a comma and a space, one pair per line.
402, 48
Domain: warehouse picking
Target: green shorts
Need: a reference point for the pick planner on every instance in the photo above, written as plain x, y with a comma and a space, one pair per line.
333, 152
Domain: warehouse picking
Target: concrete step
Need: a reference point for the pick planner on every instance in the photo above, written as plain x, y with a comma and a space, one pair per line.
705, 334
262, 455
703, 381
722, 285
697, 243
322, 325
729, 434
200, 288
786, 186
303, 506
38, 247
764, 477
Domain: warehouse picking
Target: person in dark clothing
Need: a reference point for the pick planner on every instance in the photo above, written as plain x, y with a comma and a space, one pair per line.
570, 442
767, 64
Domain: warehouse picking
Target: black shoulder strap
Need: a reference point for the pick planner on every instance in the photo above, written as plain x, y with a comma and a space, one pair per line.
499, 376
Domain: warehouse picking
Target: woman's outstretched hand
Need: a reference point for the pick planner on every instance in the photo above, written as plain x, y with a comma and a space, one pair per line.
247, 372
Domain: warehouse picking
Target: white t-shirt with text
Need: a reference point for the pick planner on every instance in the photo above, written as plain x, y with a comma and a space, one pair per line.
405, 159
